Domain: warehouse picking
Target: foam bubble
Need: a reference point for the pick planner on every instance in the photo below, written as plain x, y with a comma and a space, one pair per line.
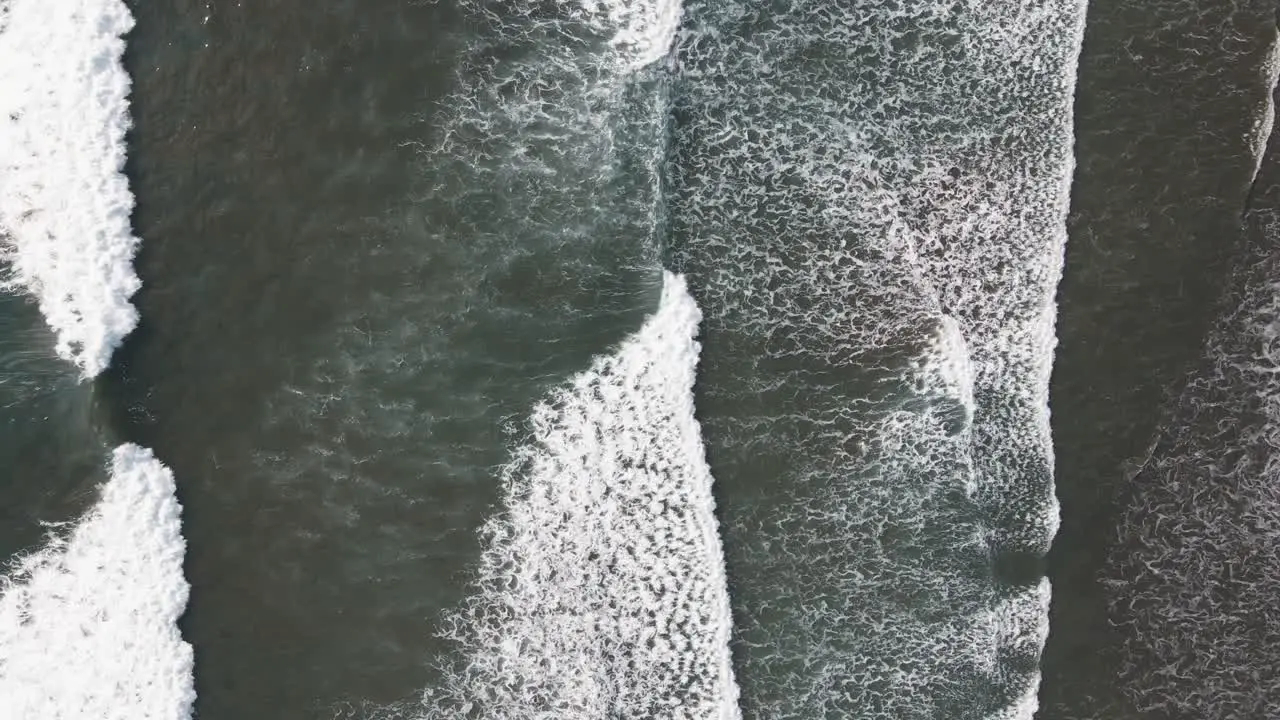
946, 371
64, 200
88, 625
602, 592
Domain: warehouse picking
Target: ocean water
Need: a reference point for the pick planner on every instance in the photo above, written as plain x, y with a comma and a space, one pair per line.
1192, 584
1171, 113
66, 276
88, 625
877, 254
643, 359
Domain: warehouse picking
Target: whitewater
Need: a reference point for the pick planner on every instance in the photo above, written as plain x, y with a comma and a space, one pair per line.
863, 212
64, 200
869, 201
602, 592
601, 589
88, 625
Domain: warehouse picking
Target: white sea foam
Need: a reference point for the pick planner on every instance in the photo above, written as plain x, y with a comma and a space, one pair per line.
64, 201
1021, 622
870, 199
602, 591
594, 600
556, 103
88, 625
1265, 121
641, 31
946, 371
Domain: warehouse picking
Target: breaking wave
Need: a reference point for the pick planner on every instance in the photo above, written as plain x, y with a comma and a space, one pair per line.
869, 201
88, 625
64, 200
602, 589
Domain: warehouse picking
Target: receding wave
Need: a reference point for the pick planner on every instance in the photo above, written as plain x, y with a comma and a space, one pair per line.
88, 625
869, 201
602, 592
64, 200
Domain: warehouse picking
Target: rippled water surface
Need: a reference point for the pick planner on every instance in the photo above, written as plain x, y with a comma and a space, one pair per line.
640, 359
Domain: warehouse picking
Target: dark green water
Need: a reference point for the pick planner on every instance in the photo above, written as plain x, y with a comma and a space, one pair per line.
377, 234
53, 446
344, 331
274, 121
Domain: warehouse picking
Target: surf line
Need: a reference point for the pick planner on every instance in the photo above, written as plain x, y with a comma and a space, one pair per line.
88, 625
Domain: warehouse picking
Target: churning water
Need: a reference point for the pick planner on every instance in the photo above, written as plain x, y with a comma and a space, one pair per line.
603, 359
